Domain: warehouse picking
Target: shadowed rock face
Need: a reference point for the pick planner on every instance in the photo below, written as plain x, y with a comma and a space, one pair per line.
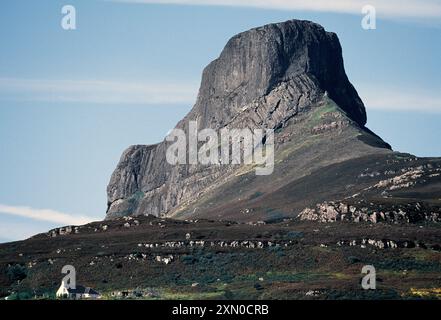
267, 77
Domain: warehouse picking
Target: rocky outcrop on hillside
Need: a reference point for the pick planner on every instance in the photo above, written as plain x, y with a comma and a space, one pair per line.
266, 78
371, 212
170, 257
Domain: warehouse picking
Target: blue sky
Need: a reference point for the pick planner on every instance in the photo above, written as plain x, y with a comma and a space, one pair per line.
72, 101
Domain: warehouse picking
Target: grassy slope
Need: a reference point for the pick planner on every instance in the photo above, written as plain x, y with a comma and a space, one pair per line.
301, 153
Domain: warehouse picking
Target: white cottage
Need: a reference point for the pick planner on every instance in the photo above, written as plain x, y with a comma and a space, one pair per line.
79, 292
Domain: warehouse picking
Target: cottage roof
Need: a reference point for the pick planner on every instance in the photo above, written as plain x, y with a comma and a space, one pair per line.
82, 290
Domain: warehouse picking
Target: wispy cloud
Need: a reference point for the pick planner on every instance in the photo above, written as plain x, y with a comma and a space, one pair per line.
111, 92
96, 91
395, 99
385, 8
46, 215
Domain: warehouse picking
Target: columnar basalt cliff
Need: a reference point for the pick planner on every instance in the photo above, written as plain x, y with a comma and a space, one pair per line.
286, 76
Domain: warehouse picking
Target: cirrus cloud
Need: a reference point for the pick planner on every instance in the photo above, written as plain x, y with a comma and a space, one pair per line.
97, 91
400, 99
385, 8
45, 215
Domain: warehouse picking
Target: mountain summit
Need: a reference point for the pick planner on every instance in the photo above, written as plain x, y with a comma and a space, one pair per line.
256, 62
286, 76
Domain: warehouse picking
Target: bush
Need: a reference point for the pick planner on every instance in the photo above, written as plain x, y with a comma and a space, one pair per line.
278, 250
353, 259
294, 235
188, 259
16, 272
21, 296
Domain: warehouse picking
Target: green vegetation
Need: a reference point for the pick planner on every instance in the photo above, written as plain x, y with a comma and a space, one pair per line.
294, 264
319, 112
406, 263
282, 276
16, 272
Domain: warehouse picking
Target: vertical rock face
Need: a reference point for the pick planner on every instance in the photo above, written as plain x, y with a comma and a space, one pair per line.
264, 78
254, 62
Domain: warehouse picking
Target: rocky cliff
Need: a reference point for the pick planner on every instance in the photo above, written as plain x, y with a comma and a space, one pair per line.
286, 76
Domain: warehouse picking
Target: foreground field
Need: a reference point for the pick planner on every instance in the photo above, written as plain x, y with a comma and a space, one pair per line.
152, 258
